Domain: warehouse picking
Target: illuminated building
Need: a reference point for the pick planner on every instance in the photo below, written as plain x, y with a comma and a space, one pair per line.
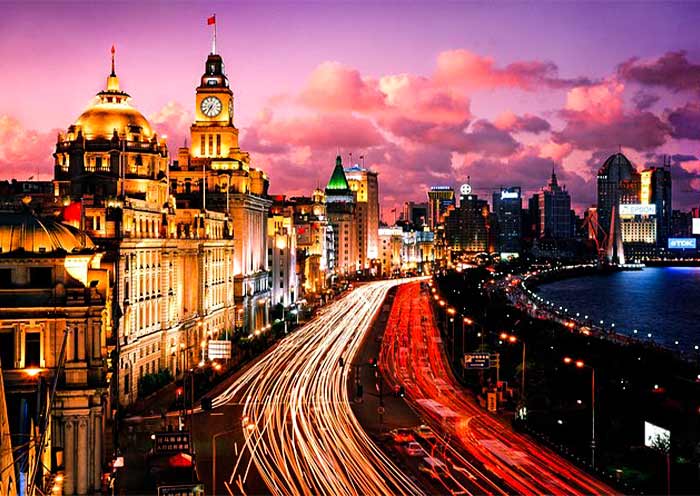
418, 251
555, 211
282, 253
364, 184
172, 266
467, 226
390, 250
416, 214
656, 188
233, 186
55, 292
340, 208
441, 199
314, 241
507, 207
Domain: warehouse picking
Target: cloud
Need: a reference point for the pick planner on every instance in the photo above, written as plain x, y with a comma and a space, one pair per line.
595, 119
527, 123
643, 100
320, 131
685, 121
462, 67
335, 87
172, 120
672, 71
24, 152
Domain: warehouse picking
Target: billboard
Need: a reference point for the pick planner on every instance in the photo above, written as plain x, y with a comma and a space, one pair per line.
655, 436
696, 226
637, 209
682, 243
510, 195
477, 360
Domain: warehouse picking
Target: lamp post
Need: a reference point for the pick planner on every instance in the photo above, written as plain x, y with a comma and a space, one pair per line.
451, 311
581, 364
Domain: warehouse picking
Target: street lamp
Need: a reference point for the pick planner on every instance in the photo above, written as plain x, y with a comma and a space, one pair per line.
451, 311
580, 364
510, 338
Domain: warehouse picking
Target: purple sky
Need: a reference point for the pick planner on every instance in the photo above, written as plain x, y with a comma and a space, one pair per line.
429, 93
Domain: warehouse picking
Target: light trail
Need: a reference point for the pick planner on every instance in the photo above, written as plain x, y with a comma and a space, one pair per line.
300, 431
412, 355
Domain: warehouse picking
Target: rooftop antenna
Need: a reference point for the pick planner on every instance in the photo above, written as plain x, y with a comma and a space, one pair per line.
362, 157
113, 50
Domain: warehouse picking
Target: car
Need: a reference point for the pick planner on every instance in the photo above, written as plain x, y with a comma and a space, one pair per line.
425, 432
415, 449
402, 436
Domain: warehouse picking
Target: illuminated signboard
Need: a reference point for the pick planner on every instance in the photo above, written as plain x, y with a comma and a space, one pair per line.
219, 350
637, 209
172, 442
655, 436
682, 243
509, 195
696, 226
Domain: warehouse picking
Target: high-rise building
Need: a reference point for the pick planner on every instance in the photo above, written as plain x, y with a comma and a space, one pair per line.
391, 244
232, 186
416, 214
467, 226
441, 199
507, 207
340, 208
656, 188
555, 211
364, 184
312, 242
282, 253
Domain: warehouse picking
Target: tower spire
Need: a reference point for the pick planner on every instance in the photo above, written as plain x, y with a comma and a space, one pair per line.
113, 50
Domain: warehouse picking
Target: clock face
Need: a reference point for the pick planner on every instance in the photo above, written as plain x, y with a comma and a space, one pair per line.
211, 106
465, 189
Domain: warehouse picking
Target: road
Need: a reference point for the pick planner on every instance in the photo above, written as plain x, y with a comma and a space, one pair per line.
484, 454
300, 433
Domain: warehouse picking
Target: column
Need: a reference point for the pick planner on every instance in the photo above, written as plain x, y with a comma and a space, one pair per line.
69, 457
97, 471
81, 480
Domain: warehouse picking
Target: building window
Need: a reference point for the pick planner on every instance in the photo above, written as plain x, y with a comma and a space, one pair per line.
211, 144
5, 278
218, 145
201, 144
7, 350
32, 349
40, 277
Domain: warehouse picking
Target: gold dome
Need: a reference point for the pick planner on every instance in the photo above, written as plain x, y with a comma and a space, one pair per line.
100, 121
26, 232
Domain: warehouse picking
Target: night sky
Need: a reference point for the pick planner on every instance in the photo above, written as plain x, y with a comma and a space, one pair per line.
428, 93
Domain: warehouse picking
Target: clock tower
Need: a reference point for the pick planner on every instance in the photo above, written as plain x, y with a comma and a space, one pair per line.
213, 134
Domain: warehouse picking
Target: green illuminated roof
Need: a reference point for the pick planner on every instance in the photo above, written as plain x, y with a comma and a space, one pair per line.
338, 181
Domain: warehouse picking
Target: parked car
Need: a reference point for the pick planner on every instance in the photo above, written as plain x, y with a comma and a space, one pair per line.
425, 432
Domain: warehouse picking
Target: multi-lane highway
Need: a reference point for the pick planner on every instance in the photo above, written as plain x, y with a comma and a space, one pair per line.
300, 432
485, 455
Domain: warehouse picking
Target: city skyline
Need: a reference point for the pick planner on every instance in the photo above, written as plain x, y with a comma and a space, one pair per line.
433, 112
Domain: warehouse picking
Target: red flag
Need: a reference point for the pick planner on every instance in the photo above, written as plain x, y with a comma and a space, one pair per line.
211, 20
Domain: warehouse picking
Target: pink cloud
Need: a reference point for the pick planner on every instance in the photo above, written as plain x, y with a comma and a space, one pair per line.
332, 86
685, 121
462, 67
173, 120
528, 123
25, 152
672, 71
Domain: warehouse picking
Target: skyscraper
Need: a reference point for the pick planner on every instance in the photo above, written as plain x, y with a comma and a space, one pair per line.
467, 226
340, 209
364, 184
656, 189
555, 211
507, 207
440, 200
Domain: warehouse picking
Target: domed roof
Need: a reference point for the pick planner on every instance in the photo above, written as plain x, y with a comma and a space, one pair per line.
102, 119
26, 232
112, 112
616, 160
